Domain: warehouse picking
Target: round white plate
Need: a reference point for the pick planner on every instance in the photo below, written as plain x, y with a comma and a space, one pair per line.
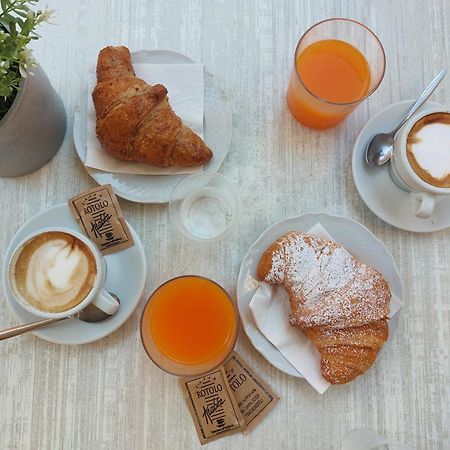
126, 273
157, 188
376, 187
351, 234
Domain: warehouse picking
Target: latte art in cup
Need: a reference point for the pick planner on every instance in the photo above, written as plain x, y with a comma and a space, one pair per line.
53, 272
428, 149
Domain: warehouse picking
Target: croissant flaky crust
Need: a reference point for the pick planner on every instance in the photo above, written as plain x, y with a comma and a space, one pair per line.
340, 303
135, 121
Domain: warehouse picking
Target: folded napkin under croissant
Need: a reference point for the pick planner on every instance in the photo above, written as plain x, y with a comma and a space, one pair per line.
185, 84
271, 309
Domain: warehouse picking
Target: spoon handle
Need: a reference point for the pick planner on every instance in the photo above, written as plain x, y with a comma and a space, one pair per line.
21, 329
423, 98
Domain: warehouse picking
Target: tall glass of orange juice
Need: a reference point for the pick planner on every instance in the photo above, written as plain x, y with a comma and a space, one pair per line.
189, 326
338, 63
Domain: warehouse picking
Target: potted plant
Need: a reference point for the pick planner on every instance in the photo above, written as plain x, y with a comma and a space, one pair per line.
32, 116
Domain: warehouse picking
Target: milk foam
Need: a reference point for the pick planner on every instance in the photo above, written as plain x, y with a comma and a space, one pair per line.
431, 149
56, 272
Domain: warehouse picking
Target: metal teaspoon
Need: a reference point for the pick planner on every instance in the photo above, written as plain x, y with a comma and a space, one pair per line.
89, 314
379, 149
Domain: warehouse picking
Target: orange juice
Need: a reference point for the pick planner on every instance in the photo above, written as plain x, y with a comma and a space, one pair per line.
336, 74
191, 321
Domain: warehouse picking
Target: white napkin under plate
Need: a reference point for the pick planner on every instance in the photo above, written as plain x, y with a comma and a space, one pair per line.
271, 308
185, 86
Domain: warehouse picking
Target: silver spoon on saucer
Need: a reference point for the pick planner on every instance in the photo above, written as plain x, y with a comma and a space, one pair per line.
89, 314
379, 149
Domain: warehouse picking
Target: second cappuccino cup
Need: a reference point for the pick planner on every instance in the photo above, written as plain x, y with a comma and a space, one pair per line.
420, 162
57, 272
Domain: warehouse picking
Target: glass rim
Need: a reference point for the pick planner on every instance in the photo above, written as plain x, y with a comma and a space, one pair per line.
340, 19
232, 341
175, 205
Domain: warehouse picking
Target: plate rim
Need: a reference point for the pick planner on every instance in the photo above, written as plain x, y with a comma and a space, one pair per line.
38, 333
128, 196
357, 153
163, 50
240, 277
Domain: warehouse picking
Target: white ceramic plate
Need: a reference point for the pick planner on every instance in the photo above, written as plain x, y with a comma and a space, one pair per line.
376, 187
351, 234
126, 273
157, 188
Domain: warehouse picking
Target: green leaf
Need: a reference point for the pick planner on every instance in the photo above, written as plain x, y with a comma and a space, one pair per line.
18, 29
22, 13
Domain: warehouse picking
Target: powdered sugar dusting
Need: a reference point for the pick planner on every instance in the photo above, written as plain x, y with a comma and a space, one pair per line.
327, 285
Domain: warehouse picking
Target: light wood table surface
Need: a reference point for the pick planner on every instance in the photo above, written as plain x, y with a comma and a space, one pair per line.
108, 395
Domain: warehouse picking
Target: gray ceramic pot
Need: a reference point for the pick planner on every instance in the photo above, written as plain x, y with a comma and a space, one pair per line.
33, 129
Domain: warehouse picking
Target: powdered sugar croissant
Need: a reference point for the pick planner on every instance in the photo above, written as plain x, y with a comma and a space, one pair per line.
340, 303
135, 121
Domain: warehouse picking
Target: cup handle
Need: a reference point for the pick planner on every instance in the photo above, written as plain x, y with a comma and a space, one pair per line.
106, 302
423, 204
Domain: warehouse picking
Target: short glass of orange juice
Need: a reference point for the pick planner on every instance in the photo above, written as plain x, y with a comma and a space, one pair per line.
189, 326
338, 63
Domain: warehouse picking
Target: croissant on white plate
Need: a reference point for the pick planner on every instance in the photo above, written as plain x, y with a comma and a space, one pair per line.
135, 121
340, 303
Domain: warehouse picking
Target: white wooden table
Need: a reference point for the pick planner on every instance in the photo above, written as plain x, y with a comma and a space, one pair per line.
108, 395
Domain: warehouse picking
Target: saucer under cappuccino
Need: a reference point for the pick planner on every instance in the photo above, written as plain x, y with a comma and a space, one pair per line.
54, 271
428, 149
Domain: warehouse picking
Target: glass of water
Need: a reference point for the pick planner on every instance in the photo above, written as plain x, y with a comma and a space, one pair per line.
205, 207
365, 439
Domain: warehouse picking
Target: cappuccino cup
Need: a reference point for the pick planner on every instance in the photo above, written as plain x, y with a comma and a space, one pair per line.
57, 272
420, 162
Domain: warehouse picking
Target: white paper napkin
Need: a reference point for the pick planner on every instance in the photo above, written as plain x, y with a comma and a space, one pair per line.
271, 308
185, 85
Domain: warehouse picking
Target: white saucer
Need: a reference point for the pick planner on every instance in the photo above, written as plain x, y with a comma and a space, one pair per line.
356, 238
376, 187
126, 273
157, 188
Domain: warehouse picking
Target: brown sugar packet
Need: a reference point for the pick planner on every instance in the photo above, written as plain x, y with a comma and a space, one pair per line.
212, 406
254, 398
98, 213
